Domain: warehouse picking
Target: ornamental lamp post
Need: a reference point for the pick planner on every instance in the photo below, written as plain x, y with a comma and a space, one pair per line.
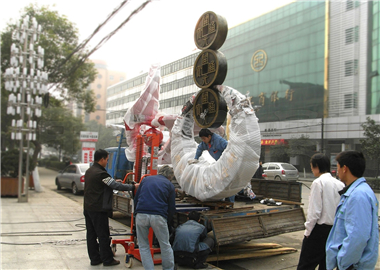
27, 83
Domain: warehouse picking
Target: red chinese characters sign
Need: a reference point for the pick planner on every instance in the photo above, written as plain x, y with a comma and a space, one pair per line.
272, 141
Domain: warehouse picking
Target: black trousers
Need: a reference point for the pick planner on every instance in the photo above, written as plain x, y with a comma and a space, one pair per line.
195, 259
98, 237
313, 251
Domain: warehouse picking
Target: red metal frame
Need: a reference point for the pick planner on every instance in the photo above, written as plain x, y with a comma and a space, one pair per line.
154, 141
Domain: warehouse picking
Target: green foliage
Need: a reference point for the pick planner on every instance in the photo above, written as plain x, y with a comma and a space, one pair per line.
59, 38
71, 78
279, 153
106, 136
302, 146
10, 163
60, 129
371, 143
374, 183
55, 165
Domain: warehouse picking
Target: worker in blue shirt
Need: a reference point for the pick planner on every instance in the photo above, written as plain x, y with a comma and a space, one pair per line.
215, 145
211, 142
191, 244
154, 208
353, 242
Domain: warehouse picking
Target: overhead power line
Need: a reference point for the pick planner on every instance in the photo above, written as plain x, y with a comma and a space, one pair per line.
101, 43
85, 42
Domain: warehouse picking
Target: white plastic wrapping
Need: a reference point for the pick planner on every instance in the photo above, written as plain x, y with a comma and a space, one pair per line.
236, 166
143, 111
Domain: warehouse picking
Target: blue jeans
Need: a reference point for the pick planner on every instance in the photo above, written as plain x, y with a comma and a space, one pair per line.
230, 199
160, 228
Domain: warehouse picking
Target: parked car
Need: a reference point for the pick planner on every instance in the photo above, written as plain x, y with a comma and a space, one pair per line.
280, 171
72, 177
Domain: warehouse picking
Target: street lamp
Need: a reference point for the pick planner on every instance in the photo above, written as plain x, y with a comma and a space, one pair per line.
27, 83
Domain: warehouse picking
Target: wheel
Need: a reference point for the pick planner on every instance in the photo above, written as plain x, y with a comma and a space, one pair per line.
75, 189
128, 261
59, 187
113, 248
278, 178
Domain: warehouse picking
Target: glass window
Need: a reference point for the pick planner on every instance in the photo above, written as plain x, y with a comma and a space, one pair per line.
350, 67
349, 4
350, 101
99, 86
288, 166
352, 35
99, 76
83, 168
70, 169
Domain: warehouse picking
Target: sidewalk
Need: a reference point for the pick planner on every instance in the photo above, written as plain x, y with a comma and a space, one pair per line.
48, 232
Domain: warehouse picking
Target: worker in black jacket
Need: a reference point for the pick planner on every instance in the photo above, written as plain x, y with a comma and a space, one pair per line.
98, 190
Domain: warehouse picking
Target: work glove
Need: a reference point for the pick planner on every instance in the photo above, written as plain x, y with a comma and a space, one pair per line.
192, 161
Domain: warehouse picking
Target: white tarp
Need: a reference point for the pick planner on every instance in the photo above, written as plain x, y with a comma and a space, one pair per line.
236, 166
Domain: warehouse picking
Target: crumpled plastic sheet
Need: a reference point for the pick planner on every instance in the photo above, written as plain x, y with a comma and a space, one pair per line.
143, 111
238, 163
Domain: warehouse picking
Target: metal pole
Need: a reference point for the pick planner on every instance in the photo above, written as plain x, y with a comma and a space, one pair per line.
28, 81
22, 197
322, 137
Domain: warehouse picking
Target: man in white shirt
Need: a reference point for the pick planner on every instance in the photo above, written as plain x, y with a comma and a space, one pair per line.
324, 199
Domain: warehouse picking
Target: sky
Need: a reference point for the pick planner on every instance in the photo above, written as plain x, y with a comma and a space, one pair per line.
161, 33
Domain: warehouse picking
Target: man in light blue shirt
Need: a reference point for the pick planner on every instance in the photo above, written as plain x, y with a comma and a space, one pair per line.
353, 241
191, 244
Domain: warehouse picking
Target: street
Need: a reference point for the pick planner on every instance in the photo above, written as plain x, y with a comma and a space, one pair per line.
280, 262
287, 261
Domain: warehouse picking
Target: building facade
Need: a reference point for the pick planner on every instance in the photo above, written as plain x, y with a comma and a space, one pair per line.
104, 79
311, 68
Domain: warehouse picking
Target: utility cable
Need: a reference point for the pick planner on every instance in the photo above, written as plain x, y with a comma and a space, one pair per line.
101, 43
27, 222
58, 242
37, 233
56, 233
85, 42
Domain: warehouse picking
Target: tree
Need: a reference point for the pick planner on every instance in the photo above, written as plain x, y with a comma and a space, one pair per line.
106, 136
302, 147
69, 75
279, 152
59, 129
371, 143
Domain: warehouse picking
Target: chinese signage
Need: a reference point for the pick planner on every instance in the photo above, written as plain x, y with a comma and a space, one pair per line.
274, 98
88, 136
88, 150
272, 141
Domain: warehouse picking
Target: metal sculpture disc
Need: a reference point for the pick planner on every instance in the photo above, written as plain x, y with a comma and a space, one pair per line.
210, 31
209, 109
210, 68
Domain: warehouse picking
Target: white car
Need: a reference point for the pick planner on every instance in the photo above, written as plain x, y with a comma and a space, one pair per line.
280, 171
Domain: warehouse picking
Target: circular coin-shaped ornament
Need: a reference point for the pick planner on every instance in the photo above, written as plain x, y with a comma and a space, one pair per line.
210, 31
210, 68
209, 109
